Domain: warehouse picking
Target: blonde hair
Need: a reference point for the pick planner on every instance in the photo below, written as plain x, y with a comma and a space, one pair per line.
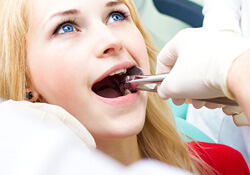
13, 30
159, 138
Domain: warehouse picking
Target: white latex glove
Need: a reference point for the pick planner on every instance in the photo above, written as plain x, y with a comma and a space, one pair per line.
198, 61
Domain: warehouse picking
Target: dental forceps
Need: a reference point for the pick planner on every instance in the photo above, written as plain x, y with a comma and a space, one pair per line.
149, 83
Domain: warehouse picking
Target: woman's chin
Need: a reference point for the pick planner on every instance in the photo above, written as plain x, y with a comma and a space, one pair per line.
120, 131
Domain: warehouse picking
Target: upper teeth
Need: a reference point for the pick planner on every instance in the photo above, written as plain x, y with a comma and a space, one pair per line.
119, 72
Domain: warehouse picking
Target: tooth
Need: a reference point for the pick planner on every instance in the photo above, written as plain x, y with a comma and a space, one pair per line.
126, 92
119, 72
112, 74
124, 71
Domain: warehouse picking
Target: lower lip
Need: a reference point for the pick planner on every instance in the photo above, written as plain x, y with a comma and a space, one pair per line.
120, 101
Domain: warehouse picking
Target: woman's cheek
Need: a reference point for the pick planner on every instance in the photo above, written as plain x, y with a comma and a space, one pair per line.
139, 50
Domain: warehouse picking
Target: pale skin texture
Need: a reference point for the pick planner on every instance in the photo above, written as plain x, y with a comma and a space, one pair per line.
238, 81
65, 65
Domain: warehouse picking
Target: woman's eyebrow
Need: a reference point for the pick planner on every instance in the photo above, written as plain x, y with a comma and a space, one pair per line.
113, 3
61, 13
66, 13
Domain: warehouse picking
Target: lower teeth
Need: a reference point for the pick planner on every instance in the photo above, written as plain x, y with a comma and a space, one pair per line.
126, 92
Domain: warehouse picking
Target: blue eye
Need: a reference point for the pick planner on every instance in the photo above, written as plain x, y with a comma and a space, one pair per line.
65, 28
116, 17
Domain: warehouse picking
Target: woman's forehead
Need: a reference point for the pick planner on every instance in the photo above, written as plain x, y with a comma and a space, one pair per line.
40, 8
51, 4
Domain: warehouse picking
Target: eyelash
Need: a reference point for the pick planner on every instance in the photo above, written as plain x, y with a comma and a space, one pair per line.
124, 14
63, 22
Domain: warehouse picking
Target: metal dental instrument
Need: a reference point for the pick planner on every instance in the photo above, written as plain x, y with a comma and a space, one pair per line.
149, 83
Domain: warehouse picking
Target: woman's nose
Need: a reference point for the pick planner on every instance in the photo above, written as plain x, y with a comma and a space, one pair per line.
109, 43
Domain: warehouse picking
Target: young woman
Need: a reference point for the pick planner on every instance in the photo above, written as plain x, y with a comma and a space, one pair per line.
74, 54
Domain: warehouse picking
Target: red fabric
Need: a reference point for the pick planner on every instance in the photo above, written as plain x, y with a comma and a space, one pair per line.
224, 159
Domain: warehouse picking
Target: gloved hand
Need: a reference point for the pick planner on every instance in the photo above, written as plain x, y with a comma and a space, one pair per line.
198, 61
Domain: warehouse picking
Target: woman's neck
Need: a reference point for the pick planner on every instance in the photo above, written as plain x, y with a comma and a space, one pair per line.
126, 150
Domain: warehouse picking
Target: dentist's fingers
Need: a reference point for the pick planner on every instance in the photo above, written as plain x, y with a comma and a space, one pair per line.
198, 104
232, 110
178, 101
162, 68
240, 120
167, 57
169, 87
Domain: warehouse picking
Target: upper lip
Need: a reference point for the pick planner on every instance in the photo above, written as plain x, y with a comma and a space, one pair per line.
114, 68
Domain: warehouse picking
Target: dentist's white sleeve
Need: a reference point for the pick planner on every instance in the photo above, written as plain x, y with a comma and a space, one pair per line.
222, 14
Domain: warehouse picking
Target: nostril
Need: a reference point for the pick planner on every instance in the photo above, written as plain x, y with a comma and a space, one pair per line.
107, 51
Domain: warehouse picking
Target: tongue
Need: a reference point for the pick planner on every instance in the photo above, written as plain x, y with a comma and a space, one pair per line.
109, 93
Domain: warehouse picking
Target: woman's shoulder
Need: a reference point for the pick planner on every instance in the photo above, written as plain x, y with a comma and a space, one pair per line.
222, 158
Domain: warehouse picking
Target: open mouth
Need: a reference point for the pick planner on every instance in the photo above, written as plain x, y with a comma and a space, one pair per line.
112, 86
